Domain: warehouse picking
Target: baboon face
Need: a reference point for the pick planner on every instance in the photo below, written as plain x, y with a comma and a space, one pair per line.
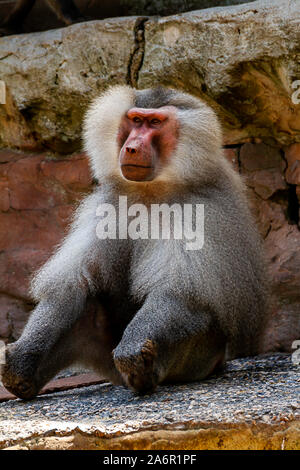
152, 136
147, 138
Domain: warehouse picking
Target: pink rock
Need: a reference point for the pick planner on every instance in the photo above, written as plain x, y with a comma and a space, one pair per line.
263, 167
266, 182
283, 254
4, 196
13, 316
255, 157
292, 155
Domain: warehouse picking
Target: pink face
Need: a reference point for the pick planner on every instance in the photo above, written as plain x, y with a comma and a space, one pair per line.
147, 138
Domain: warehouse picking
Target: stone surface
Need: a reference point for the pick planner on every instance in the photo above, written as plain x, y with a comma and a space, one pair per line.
283, 254
292, 155
13, 315
14, 130
253, 405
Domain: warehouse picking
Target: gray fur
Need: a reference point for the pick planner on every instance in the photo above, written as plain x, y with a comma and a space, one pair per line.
168, 314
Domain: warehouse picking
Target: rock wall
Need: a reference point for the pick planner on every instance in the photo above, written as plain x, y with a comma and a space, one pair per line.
243, 60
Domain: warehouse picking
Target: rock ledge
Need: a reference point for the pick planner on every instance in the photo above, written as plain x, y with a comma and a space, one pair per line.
253, 405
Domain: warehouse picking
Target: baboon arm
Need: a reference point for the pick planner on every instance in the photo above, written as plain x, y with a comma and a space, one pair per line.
33, 360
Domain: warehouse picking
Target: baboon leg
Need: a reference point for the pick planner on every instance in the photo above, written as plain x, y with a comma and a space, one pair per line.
32, 361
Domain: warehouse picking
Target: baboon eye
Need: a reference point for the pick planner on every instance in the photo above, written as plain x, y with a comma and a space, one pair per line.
155, 121
137, 120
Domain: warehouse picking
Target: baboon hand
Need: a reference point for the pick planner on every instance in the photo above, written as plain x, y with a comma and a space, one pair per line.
136, 364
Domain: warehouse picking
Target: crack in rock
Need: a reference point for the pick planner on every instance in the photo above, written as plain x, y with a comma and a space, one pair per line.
137, 55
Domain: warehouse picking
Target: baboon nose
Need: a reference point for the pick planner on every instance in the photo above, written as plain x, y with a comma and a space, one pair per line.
130, 150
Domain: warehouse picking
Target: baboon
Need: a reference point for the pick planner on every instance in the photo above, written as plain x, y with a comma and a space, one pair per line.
144, 311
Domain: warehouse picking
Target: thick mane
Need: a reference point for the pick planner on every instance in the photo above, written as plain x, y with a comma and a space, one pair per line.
198, 157
100, 129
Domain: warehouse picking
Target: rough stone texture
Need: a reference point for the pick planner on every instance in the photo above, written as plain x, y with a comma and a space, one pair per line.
68, 382
14, 129
293, 164
13, 315
254, 405
264, 168
283, 251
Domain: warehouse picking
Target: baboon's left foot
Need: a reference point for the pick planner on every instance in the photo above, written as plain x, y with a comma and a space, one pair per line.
136, 365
